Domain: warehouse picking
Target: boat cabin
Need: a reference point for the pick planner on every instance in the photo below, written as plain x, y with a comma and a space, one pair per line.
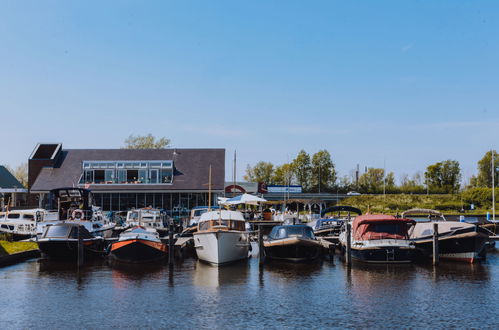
376, 227
66, 230
71, 203
289, 231
221, 220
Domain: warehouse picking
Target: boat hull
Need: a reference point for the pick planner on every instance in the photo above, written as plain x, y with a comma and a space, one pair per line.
466, 249
221, 247
385, 255
293, 249
138, 251
68, 249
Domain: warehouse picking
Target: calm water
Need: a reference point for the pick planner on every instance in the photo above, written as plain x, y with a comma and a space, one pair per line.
42, 294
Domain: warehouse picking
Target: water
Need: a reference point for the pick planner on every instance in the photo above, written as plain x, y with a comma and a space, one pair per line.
43, 294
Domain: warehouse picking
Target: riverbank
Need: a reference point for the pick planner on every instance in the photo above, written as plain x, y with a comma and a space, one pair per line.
14, 252
398, 203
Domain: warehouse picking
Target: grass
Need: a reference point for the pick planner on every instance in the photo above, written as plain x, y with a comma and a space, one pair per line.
7, 247
397, 203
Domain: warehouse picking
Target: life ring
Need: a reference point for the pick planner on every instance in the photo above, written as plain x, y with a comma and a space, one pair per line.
78, 214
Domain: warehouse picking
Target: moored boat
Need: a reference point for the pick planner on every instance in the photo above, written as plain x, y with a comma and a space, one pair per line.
295, 243
221, 237
457, 241
138, 245
61, 241
380, 239
21, 224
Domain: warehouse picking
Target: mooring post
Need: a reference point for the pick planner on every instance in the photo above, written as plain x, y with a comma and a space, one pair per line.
348, 257
80, 248
261, 253
332, 249
435, 244
171, 245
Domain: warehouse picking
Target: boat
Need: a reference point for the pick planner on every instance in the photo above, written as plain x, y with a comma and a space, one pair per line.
221, 237
61, 241
332, 226
138, 245
458, 241
296, 243
148, 218
21, 224
380, 239
75, 205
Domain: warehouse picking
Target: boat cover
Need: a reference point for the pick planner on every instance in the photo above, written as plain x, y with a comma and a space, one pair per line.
370, 227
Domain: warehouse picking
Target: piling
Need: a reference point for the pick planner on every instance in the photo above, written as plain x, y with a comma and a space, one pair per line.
332, 249
80, 248
348, 250
435, 244
171, 245
261, 253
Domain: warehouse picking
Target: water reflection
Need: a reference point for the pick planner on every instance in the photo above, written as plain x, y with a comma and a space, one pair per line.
206, 275
291, 271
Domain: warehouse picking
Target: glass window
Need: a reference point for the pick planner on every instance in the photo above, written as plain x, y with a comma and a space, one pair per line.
153, 176
99, 176
120, 165
89, 176
121, 176
57, 231
166, 164
143, 176
109, 176
155, 164
132, 176
13, 216
86, 165
166, 176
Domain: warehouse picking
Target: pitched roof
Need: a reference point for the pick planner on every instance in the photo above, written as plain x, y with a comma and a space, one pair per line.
8, 181
191, 168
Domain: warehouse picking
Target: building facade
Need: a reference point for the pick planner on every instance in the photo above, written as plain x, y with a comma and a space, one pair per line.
122, 179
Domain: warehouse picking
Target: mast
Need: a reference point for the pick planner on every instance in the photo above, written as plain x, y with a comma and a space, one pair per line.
209, 190
234, 174
493, 187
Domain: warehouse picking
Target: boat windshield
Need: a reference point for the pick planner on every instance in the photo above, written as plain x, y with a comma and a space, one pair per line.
57, 231
292, 231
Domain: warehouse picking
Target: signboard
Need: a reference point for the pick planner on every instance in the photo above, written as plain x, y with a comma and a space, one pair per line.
284, 189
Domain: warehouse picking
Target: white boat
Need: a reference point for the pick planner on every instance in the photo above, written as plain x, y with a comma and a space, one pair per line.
221, 237
74, 205
149, 218
21, 224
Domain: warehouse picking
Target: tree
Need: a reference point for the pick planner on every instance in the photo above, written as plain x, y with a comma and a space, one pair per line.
323, 172
20, 173
284, 175
146, 142
261, 172
374, 179
484, 177
302, 170
443, 177
413, 184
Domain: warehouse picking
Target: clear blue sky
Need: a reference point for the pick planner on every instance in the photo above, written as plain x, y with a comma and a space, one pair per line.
414, 82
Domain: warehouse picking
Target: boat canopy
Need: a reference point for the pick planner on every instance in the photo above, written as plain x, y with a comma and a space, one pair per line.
341, 208
372, 227
421, 211
221, 214
281, 232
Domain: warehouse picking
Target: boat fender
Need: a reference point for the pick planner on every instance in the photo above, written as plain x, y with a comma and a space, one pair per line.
78, 214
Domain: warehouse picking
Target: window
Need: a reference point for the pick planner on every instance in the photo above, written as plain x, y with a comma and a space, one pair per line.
143, 176
166, 176
132, 176
121, 176
109, 176
153, 176
89, 176
99, 176
13, 216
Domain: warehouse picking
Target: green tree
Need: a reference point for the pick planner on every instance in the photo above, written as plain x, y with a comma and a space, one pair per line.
443, 177
146, 142
20, 173
484, 177
261, 172
413, 184
323, 172
284, 175
374, 179
302, 170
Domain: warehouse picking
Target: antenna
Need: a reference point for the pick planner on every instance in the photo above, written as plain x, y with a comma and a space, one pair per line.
493, 186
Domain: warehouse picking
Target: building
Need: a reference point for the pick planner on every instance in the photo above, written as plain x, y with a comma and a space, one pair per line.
12, 191
121, 179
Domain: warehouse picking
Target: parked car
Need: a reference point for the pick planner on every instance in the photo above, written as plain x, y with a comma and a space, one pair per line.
353, 193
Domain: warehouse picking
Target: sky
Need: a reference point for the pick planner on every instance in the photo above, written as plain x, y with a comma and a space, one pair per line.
401, 83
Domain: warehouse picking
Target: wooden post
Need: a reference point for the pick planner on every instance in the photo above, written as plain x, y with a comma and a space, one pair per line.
171, 245
332, 249
348, 251
435, 244
80, 248
261, 253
